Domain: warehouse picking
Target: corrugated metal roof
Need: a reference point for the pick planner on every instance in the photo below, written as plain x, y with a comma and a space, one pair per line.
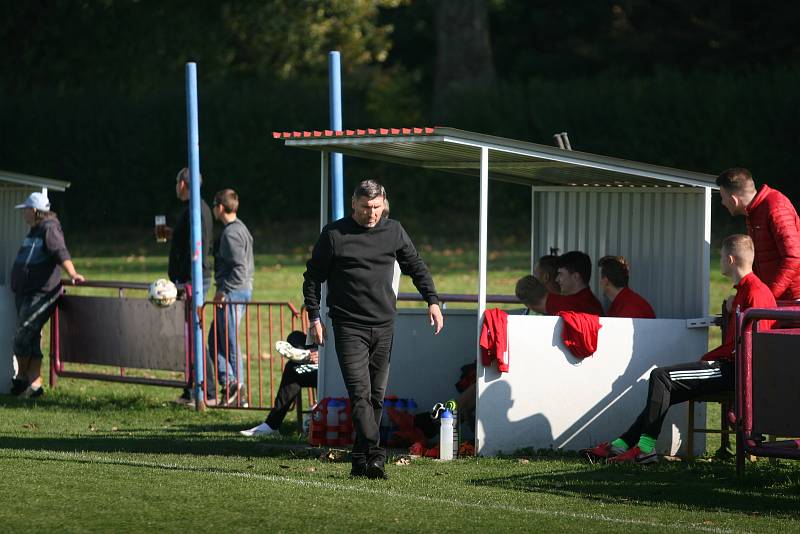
453, 150
34, 181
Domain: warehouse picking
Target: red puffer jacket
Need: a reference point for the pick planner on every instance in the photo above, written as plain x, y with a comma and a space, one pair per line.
773, 224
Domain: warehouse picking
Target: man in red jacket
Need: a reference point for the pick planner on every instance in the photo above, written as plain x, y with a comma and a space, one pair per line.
773, 224
714, 373
625, 302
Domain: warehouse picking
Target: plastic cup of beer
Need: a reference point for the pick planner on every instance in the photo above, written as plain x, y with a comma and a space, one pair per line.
161, 228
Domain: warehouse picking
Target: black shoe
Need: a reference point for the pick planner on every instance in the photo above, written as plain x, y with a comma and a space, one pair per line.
359, 462
31, 393
358, 470
18, 386
375, 470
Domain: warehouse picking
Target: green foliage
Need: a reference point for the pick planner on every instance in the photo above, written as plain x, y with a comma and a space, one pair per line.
121, 152
133, 46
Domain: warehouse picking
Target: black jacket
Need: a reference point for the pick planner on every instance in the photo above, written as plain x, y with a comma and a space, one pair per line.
36, 267
180, 252
358, 263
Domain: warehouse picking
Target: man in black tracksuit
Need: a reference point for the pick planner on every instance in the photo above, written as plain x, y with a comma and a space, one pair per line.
355, 256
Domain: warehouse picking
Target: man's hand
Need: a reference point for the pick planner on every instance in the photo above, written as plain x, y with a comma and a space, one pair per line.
74, 275
435, 315
317, 332
166, 232
314, 356
219, 298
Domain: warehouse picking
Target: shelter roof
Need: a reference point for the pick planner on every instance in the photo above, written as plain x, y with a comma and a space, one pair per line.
33, 181
453, 150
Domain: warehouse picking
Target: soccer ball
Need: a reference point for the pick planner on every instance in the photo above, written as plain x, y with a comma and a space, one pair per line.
162, 293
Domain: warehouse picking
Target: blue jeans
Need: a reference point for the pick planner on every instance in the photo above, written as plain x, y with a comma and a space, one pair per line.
230, 367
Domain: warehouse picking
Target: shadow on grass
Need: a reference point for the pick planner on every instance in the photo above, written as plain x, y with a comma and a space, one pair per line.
764, 489
143, 443
153, 427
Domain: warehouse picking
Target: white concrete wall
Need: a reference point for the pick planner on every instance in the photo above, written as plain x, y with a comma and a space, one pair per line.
550, 399
424, 367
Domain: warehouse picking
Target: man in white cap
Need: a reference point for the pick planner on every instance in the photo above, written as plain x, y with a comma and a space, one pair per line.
36, 283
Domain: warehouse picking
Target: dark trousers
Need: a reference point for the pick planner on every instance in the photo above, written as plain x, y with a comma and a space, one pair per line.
295, 376
33, 311
364, 353
676, 384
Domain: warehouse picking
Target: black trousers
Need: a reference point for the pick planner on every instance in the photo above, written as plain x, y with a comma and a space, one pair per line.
676, 384
33, 311
295, 376
364, 353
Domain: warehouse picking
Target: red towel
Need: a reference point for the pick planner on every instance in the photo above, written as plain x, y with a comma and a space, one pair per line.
580, 333
494, 343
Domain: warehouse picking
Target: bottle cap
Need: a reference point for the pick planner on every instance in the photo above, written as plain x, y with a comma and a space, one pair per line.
447, 414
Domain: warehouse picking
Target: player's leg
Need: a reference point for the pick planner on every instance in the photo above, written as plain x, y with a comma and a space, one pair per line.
352, 350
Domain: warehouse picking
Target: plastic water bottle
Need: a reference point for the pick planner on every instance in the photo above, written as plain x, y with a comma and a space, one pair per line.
446, 436
452, 405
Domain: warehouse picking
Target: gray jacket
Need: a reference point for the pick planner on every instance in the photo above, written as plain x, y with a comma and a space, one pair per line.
233, 258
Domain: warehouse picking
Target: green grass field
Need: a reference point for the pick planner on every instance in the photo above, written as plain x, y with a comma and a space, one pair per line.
94, 456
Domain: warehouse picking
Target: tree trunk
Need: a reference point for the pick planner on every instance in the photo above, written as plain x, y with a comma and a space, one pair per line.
463, 51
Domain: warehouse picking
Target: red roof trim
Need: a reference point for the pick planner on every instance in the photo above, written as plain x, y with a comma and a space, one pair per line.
360, 132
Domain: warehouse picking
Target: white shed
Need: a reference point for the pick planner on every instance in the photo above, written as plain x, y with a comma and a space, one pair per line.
14, 188
657, 217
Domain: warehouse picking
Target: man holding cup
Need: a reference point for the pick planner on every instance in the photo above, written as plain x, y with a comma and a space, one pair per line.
180, 252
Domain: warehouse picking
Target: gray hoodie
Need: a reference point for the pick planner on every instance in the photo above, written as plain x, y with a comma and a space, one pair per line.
233, 258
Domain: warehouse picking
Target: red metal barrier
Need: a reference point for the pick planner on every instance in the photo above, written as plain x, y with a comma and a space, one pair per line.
58, 366
747, 441
260, 325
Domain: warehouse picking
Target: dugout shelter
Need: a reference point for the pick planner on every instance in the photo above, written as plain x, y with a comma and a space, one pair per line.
657, 217
14, 189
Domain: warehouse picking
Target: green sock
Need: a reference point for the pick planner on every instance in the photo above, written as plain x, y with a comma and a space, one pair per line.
619, 444
647, 444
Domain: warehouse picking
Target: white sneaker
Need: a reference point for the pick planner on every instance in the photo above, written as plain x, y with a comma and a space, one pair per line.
261, 430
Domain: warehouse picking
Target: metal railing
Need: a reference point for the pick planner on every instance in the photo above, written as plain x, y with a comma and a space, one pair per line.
746, 327
444, 298
245, 341
58, 365
262, 324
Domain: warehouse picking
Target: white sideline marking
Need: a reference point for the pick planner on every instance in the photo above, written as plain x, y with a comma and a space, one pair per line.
87, 458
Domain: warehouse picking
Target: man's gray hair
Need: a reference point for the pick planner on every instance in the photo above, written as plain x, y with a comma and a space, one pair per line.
370, 189
183, 176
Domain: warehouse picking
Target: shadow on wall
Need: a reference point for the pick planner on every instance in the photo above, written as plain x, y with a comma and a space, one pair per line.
532, 429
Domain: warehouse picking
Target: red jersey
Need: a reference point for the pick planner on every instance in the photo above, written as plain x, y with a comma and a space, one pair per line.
583, 301
629, 303
750, 293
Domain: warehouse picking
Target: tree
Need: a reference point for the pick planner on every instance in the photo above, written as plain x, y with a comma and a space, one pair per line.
463, 50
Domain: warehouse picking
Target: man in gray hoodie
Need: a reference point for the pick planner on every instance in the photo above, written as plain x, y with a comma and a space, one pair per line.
233, 275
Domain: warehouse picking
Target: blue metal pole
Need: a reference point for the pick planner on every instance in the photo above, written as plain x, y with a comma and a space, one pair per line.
337, 166
198, 290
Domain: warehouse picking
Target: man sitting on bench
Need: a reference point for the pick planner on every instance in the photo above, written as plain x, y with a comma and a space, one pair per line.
296, 375
574, 272
714, 373
625, 302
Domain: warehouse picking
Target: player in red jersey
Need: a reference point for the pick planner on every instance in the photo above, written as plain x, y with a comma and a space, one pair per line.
714, 373
614, 274
574, 269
